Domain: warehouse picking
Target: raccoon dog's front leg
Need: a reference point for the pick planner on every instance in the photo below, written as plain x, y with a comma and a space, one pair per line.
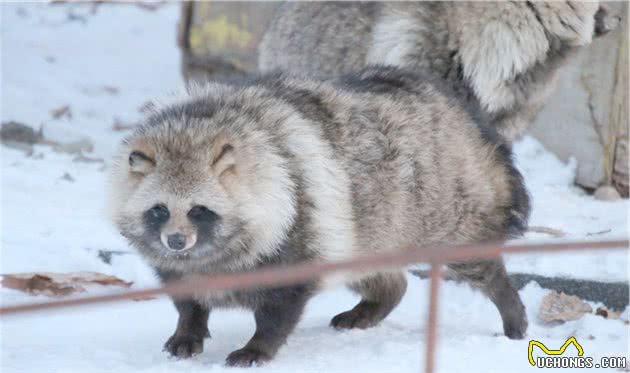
277, 312
380, 294
491, 277
192, 328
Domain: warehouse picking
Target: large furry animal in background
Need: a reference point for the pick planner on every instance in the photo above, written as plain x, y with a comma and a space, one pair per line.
506, 55
276, 171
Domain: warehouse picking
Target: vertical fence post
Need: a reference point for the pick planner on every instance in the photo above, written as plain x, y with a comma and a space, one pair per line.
436, 277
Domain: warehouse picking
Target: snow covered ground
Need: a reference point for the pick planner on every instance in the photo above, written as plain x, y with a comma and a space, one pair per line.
105, 65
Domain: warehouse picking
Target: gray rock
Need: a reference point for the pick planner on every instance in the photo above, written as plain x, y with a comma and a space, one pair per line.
14, 132
607, 193
560, 307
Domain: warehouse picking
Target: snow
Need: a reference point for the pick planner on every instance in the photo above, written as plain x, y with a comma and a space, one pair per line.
559, 204
51, 59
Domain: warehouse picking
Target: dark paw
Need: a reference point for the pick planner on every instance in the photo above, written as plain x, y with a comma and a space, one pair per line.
514, 321
184, 346
363, 316
510, 307
516, 329
246, 357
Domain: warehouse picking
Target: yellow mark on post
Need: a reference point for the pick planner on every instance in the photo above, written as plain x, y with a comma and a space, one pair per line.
560, 351
218, 33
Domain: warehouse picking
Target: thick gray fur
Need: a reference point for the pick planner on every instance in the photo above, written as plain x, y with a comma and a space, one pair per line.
297, 170
506, 55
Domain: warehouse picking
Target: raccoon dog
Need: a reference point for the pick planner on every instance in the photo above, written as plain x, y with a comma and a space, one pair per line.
277, 171
505, 55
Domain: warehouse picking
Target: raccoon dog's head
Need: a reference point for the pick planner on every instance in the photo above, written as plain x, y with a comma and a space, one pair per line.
575, 23
199, 185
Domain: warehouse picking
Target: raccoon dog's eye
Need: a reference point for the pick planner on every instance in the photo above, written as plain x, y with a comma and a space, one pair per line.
159, 213
202, 214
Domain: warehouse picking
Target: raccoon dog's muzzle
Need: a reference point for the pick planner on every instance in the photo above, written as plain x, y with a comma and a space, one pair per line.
178, 241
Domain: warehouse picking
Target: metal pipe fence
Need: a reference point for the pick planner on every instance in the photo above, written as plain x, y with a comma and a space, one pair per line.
282, 276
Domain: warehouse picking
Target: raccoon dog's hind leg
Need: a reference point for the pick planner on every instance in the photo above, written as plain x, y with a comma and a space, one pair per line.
380, 294
491, 277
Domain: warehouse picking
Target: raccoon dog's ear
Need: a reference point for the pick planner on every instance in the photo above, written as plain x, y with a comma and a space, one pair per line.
140, 163
224, 159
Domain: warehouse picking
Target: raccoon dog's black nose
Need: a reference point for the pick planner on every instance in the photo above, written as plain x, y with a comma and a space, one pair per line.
176, 241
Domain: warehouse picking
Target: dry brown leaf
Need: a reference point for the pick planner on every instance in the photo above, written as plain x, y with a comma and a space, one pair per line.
111, 90
546, 230
607, 314
58, 284
61, 112
560, 307
120, 125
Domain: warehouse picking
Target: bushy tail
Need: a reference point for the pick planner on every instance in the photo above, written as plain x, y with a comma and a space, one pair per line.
520, 208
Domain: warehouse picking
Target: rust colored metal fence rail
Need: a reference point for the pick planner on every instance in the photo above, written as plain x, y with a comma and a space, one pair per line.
272, 277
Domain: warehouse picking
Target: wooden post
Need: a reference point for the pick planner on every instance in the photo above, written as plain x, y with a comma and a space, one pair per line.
619, 114
221, 38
